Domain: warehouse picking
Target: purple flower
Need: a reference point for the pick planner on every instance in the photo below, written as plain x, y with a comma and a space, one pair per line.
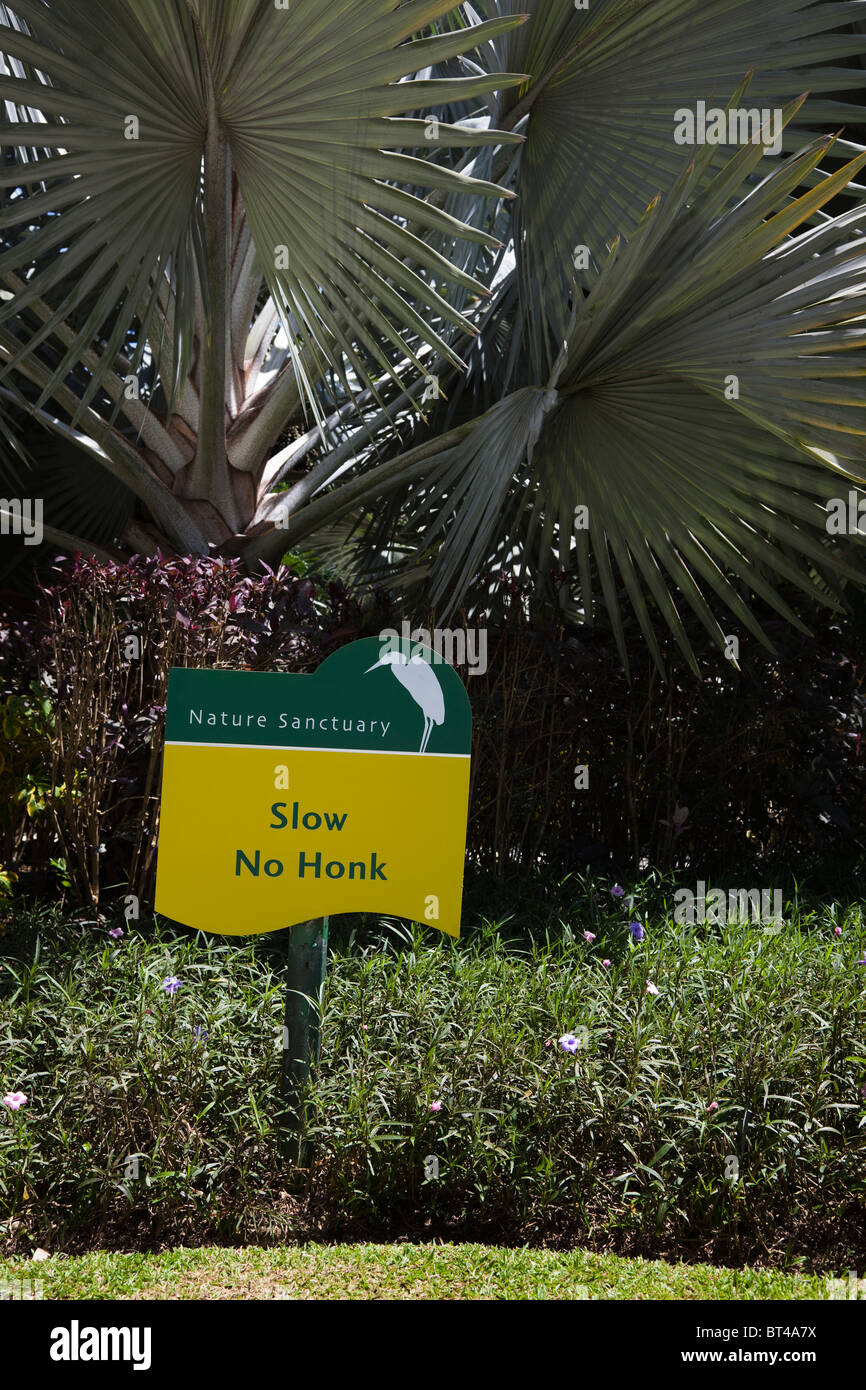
171, 984
116, 932
637, 931
589, 936
617, 892
605, 963
569, 1043
15, 1099
200, 1033
861, 962
837, 931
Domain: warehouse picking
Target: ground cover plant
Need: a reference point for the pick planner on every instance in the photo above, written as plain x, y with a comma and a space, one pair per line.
622, 1081
401, 1271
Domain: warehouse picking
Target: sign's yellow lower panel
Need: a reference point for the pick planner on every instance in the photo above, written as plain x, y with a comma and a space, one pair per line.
257, 839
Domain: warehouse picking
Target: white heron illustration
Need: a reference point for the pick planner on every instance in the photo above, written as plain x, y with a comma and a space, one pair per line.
418, 677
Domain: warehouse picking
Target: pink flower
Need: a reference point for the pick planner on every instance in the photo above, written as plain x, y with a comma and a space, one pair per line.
589, 936
837, 931
15, 1099
116, 932
651, 988
713, 1105
435, 1106
606, 964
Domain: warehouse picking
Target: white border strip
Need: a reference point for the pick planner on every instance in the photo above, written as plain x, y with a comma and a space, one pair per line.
283, 748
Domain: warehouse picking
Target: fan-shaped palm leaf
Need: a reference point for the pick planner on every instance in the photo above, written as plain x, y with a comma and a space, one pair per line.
607, 83
300, 109
709, 401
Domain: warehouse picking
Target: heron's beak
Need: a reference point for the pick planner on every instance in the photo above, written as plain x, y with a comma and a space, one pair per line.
380, 662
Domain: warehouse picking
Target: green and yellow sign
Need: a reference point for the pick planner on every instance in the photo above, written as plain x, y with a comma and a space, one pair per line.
287, 798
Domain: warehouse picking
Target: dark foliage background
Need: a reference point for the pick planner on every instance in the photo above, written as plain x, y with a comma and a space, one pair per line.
741, 772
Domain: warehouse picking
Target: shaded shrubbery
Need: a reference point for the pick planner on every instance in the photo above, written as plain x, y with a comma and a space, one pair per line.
99, 645
745, 771
751, 770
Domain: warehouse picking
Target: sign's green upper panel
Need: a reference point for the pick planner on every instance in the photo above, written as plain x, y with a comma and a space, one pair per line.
372, 696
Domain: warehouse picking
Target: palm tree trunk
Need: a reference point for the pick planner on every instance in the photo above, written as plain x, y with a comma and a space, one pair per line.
208, 478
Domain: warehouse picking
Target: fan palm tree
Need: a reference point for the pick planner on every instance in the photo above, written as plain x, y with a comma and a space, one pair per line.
439, 282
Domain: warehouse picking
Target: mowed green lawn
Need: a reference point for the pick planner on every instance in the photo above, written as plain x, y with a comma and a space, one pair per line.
398, 1272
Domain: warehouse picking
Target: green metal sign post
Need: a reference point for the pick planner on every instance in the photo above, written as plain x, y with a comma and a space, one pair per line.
306, 963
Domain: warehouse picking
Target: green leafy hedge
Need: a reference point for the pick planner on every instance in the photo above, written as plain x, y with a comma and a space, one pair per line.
724, 1114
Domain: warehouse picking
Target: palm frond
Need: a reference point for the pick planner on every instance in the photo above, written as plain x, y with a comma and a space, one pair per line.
309, 100
708, 403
